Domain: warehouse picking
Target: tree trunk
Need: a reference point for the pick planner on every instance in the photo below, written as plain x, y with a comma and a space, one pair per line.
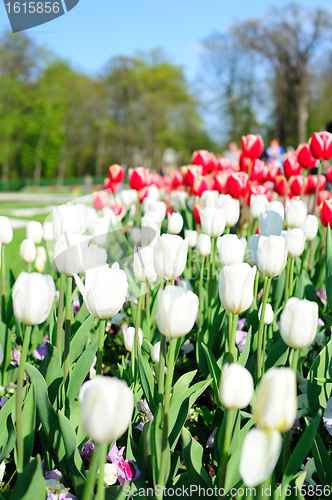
302, 117
100, 149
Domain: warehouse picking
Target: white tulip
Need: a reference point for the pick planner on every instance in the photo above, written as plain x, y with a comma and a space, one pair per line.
34, 231
258, 205
192, 236
275, 403
296, 213
107, 405
94, 257
143, 264
213, 221
71, 219
210, 198
70, 253
129, 197
33, 295
175, 223
40, 264
310, 227
135, 235
155, 353
231, 208
203, 245
236, 386
252, 249
269, 314
270, 223
178, 199
6, 232
236, 287
160, 208
150, 229
298, 323
170, 256
296, 239
129, 336
176, 311
276, 206
48, 231
41, 253
259, 456
100, 230
271, 255
231, 249
186, 285
104, 291
28, 251
110, 474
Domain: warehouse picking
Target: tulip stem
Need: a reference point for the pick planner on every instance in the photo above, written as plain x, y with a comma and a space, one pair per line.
98, 453
291, 275
60, 315
294, 360
3, 283
232, 325
287, 281
211, 278
19, 392
167, 404
100, 352
147, 308
101, 482
314, 209
66, 360
161, 375
200, 312
263, 351
267, 282
229, 416
136, 339
256, 284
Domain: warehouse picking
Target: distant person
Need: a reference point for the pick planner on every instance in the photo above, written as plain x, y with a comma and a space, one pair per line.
232, 153
274, 152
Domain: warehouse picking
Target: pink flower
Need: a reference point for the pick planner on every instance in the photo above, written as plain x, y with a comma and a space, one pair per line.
16, 356
127, 470
76, 304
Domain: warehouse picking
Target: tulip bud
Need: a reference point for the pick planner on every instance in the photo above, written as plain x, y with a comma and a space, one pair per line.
203, 245
252, 145
200, 185
48, 231
312, 183
106, 407
258, 204
280, 185
213, 221
155, 353
298, 184
191, 236
28, 251
231, 249
202, 158
210, 198
298, 323
175, 223
270, 223
176, 311
6, 232
236, 386
100, 199
34, 231
170, 256
252, 250
70, 253
220, 180
94, 257
304, 156
69, 219
104, 291
33, 295
325, 212
259, 456
197, 210
292, 166
321, 145
179, 199
231, 208
238, 184
275, 404
193, 172
268, 316
296, 239
176, 179
135, 235
310, 227
116, 173
129, 336
41, 253
143, 264
40, 264
137, 178
296, 213
276, 206
236, 287
271, 255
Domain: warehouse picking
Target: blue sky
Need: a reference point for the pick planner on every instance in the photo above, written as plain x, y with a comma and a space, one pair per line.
95, 30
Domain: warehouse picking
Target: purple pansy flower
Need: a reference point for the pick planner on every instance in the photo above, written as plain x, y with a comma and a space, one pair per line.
127, 470
41, 352
87, 450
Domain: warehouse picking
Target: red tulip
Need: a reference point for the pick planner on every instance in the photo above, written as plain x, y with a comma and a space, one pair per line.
117, 208
312, 183
292, 166
259, 171
325, 212
200, 185
280, 185
329, 174
220, 181
110, 186
224, 164
244, 162
176, 178
296, 183
252, 145
274, 171
100, 200
204, 159
144, 192
321, 145
237, 184
197, 209
304, 156
193, 172
184, 171
322, 196
138, 178
116, 173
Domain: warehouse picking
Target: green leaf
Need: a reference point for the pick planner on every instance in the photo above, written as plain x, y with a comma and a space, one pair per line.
74, 461
8, 432
156, 444
215, 372
30, 484
278, 355
79, 340
192, 455
329, 267
80, 371
322, 461
318, 393
245, 353
29, 423
278, 288
302, 282
147, 381
252, 317
53, 375
182, 385
6, 344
